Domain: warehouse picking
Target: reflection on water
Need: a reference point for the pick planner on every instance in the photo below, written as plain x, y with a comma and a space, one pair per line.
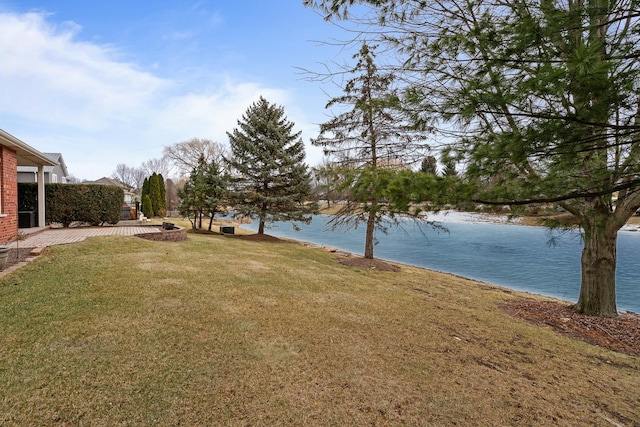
513, 256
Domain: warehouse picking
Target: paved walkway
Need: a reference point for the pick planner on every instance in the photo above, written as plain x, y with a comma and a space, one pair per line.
37, 238
61, 236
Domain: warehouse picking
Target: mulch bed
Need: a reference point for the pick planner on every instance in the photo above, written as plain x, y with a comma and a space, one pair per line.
16, 256
258, 238
621, 334
371, 264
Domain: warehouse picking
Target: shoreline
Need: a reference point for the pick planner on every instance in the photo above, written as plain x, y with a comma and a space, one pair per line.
632, 225
501, 288
458, 217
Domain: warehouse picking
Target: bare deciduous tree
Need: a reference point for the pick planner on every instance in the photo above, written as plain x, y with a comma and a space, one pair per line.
160, 166
184, 156
126, 175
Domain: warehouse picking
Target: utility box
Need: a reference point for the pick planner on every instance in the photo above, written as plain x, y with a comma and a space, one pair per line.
26, 219
227, 230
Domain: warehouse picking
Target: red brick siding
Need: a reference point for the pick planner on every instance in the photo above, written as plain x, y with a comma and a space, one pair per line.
9, 194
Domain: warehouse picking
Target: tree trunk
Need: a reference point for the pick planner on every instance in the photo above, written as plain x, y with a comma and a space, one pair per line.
368, 239
598, 287
262, 215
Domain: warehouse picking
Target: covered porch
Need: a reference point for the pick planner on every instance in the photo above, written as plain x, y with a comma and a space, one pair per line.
14, 153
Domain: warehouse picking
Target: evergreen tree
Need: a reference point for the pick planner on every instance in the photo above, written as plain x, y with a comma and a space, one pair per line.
204, 194
542, 99
371, 142
145, 188
450, 168
429, 165
191, 205
162, 200
147, 206
155, 193
216, 182
270, 180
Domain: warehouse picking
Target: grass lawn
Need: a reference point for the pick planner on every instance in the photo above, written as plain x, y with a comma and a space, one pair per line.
223, 331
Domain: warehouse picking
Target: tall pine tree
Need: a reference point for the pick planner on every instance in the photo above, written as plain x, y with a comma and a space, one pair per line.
270, 181
540, 99
155, 194
147, 205
370, 144
162, 200
204, 194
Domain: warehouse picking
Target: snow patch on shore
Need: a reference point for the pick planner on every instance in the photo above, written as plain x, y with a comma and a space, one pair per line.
631, 228
451, 216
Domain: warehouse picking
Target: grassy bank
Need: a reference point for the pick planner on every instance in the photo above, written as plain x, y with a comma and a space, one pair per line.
222, 331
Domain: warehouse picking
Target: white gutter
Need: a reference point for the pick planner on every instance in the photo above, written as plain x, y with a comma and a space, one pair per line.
27, 155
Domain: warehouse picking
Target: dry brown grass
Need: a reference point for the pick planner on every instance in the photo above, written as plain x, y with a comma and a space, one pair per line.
635, 220
220, 331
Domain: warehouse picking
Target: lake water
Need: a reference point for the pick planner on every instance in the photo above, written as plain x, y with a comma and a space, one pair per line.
513, 256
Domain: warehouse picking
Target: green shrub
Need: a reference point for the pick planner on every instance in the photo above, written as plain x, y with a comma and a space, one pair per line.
67, 203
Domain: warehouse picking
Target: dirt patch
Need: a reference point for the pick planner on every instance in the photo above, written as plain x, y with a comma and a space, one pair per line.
258, 238
371, 264
16, 256
621, 334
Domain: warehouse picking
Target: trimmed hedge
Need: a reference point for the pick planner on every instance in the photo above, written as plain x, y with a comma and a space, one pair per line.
66, 203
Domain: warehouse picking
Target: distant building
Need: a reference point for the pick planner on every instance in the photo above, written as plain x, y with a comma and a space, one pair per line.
129, 196
57, 174
393, 163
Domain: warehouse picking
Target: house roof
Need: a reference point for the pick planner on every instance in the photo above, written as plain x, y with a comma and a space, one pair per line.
107, 181
48, 169
58, 158
27, 155
110, 181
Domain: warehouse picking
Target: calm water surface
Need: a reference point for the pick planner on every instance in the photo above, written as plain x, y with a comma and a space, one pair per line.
513, 256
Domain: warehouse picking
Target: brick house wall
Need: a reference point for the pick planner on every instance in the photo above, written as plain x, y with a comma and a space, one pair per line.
8, 194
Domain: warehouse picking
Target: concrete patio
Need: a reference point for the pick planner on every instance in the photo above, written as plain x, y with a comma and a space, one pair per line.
38, 238
43, 237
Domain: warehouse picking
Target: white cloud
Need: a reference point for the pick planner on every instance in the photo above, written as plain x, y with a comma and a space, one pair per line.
54, 79
217, 110
62, 94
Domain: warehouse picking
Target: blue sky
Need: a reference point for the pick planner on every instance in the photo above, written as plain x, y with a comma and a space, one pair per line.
108, 82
